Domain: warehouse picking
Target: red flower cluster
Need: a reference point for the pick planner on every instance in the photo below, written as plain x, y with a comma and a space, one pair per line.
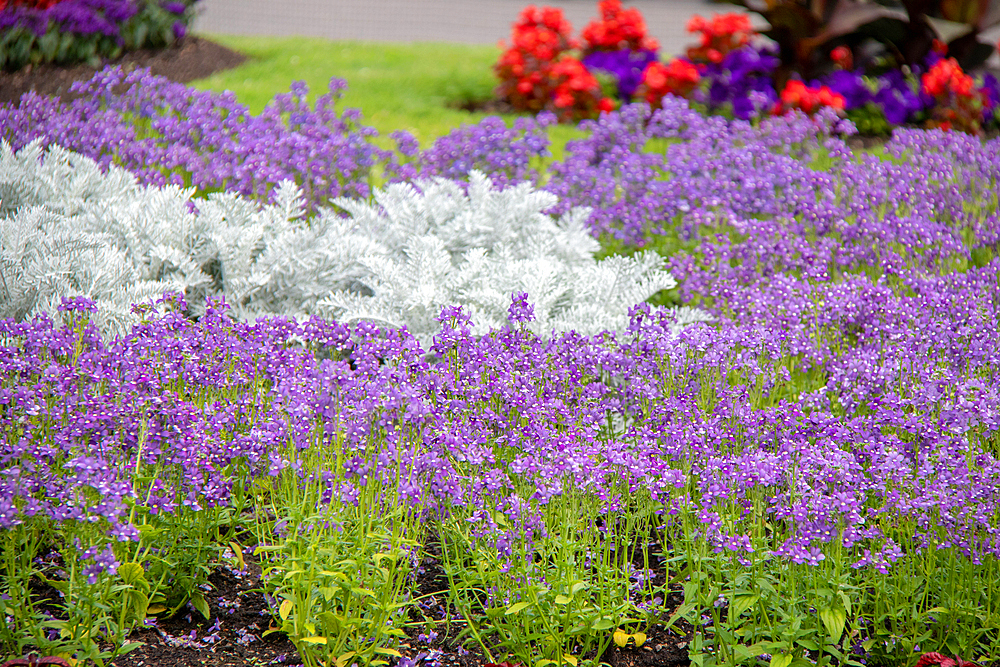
576, 93
842, 57
535, 74
798, 95
945, 77
31, 4
617, 29
678, 77
539, 36
943, 661
720, 35
958, 105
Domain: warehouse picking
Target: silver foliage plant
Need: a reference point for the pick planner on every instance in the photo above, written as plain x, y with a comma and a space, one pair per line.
67, 229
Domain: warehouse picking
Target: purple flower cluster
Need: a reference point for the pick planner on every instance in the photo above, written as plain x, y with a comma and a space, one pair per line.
508, 155
742, 82
166, 132
625, 65
82, 17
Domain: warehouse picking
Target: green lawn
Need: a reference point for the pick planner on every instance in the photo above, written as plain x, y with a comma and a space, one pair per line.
413, 87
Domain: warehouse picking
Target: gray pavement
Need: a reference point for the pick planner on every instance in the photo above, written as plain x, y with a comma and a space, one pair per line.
462, 21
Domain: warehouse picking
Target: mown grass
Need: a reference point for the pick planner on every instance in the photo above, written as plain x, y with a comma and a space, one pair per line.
414, 87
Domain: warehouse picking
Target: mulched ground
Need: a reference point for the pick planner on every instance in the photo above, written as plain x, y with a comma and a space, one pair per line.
193, 58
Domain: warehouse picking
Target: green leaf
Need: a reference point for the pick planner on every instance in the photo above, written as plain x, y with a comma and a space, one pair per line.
138, 603
201, 604
515, 608
781, 660
603, 623
740, 604
680, 613
577, 587
834, 620
131, 573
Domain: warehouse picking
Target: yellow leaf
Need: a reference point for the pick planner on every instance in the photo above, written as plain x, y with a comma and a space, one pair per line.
285, 609
569, 659
314, 640
621, 638
238, 552
389, 651
640, 639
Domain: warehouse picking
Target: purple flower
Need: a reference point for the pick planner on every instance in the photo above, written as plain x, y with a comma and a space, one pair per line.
520, 311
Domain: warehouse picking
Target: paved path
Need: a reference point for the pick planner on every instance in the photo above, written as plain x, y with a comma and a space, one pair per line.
464, 21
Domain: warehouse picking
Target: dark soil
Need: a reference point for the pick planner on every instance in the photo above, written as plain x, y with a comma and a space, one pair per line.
192, 58
240, 615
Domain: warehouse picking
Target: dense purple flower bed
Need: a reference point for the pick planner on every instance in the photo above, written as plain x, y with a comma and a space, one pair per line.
821, 461
72, 31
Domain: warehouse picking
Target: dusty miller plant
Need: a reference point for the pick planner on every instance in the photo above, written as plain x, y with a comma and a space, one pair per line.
68, 229
441, 243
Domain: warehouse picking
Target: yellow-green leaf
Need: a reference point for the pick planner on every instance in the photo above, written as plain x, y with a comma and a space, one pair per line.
567, 658
342, 660
154, 609
389, 651
834, 620
514, 608
314, 640
562, 599
285, 609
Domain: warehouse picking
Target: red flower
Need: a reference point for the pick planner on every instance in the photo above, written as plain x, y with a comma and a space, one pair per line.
617, 28
798, 95
720, 35
678, 77
843, 57
538, 38
958, 104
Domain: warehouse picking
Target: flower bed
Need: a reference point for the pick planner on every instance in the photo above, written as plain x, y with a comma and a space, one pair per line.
733, 71
72, 31
810, 477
